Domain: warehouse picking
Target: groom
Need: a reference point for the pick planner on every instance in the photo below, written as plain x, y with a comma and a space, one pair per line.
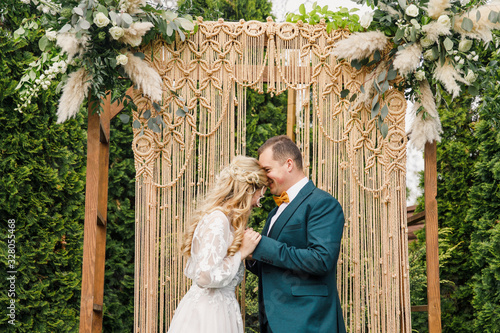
296, 259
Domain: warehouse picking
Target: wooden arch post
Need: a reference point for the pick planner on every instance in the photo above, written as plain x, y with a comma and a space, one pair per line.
96, 205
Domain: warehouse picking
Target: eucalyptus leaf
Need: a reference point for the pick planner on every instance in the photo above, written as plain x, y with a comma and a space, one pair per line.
384, 87
102, 9
381, 76
84, 24
384, 129
140, 55
467, 24
478, 15
147, 114
493, 17
376, 55
448, 44
65, 28
78, 11
344, 93
186, 109
157, 107
413, 34
125, 118
353, 98
127, 18
391, 74
374, 101
136, 124
362, 89
180, 112
384, 112
113, 16
375, 109
153, 126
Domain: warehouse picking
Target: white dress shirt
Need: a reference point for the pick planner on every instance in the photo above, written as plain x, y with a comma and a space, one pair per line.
292, 193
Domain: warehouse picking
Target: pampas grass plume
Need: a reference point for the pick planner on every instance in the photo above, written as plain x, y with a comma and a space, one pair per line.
435, 29
481, 29
407, 60
133, 34
144, 77
360, 45
436, 8
448, 76
74, 92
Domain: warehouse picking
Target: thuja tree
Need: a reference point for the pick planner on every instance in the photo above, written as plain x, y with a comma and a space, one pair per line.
42, 170
484, 215
456, 154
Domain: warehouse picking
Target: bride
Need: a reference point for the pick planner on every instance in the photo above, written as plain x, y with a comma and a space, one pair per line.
216, 244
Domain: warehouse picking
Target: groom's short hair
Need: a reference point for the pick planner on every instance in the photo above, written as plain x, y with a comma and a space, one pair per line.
283, 148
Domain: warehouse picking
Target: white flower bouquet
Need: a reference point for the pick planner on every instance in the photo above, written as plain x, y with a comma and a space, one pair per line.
94, 41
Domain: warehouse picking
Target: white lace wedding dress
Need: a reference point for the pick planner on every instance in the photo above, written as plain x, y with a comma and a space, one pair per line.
210, 305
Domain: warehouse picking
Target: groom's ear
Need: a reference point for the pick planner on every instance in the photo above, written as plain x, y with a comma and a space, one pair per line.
290, 164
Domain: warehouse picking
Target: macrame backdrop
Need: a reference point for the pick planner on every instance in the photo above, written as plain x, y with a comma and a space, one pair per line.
348, 158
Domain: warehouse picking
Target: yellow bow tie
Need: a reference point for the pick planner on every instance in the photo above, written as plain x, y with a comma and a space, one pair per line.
282, 198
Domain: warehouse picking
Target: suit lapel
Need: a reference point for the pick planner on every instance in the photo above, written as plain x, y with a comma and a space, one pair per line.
268, 221
289, 210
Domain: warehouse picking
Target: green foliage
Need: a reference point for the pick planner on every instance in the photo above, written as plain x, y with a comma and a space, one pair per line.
212, 10
42, 180
120, 240
341, 19
456, 156
484, 215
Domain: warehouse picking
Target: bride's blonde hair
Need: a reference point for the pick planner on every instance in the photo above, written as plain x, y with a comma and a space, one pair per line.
231, 193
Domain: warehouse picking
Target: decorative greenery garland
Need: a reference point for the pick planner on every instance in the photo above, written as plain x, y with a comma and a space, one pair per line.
93, 41
435, 49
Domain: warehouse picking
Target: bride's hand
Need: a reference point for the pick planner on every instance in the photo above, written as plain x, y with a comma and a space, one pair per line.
250, 241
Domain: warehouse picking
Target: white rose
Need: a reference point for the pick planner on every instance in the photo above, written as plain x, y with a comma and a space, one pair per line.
420, 75
51, 35
412, 10
101, 20
464, 45
461, 62
122, 59
469, 56
457, 58
366, 20
426, 42
476, 58
116, 32
470, 77
444, 20
429, 55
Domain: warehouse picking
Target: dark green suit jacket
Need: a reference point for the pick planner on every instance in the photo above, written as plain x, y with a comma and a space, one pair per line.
297, 266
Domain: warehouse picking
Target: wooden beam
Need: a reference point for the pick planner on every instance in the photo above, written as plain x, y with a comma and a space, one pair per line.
431, 238
415, 218
419, 308
102, 209
291, 110
116, 107
90, 224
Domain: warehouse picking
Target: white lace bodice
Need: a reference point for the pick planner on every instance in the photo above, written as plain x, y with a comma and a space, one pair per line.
210, 305
209, 266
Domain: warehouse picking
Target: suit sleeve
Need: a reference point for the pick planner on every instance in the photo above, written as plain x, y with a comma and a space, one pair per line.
325, 224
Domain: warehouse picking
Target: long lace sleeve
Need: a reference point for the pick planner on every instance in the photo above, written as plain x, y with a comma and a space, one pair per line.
214, 269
